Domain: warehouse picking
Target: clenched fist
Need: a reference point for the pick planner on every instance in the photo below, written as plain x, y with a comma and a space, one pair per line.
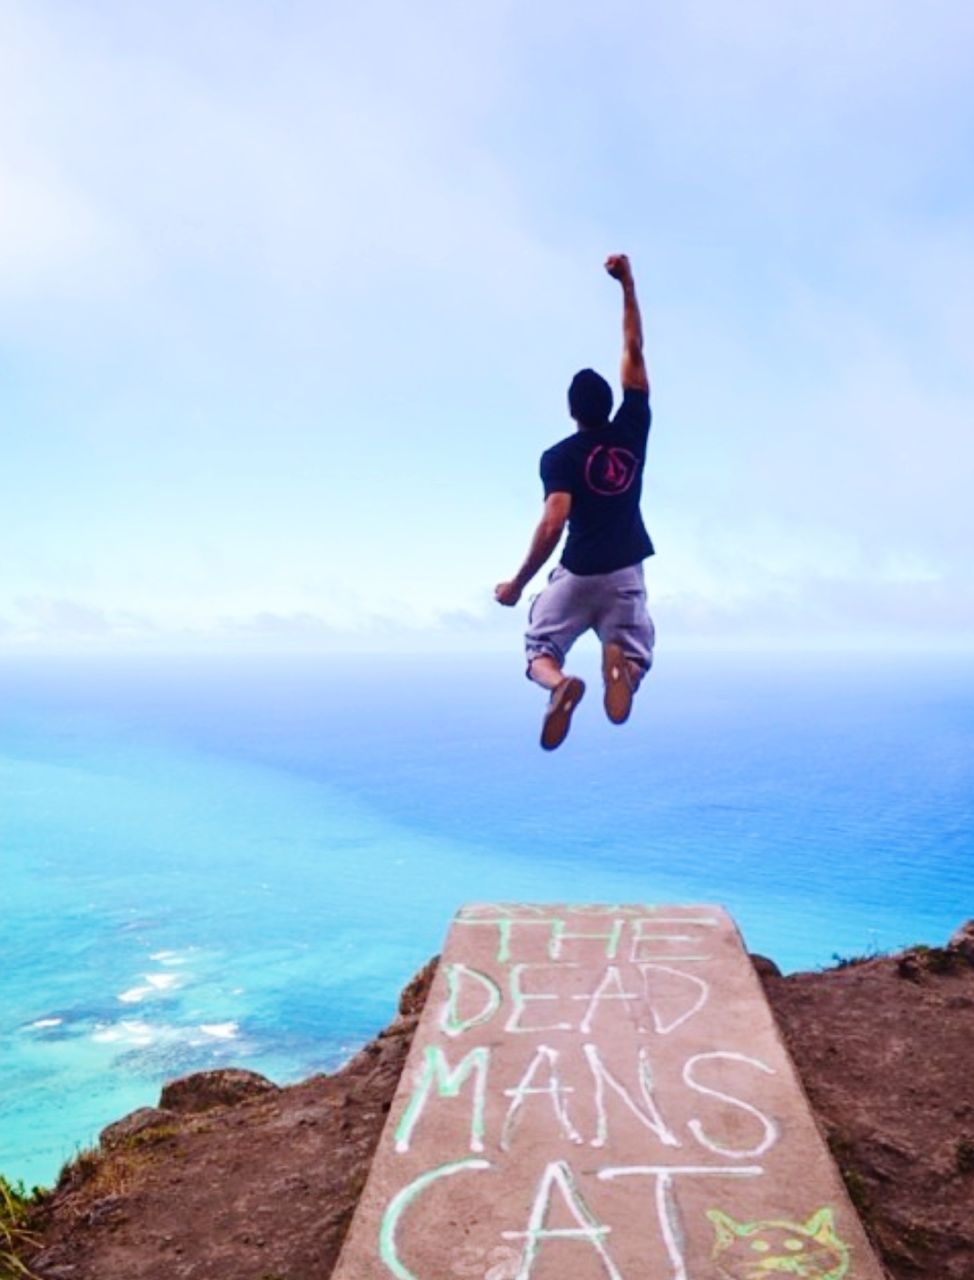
617, 265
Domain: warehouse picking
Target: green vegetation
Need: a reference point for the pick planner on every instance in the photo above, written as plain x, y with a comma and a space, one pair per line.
149, 1137
941, 959
101, 1173
856, 1185
873, 952
919, 960
16, 1209
858, 1190
76, 1171
117, 1170
918, 1237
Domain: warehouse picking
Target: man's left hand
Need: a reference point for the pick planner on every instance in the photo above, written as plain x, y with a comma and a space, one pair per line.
508, 593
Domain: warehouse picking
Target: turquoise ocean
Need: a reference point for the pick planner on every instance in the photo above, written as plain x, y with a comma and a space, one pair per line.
241, 861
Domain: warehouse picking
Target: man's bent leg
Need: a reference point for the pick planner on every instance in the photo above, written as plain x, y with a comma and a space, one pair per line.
565, 697
628, 636
546, 671
557, 618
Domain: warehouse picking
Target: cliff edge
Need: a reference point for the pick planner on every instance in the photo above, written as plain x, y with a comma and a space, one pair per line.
234, 1178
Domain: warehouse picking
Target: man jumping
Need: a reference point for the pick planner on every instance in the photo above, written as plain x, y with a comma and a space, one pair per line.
593, 482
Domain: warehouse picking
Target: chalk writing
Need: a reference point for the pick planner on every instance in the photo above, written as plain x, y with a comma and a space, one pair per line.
671, 996
520, 999
388, 1246
582, 1080
656, 992
505, 930
450, 1020
500, 1263
560, 935
647, 932
554, 1090
517, 910
610, 979
651, 1117
448, 1083
665, 1208
696, 1128
757, 1250
588, 1231
541, 1075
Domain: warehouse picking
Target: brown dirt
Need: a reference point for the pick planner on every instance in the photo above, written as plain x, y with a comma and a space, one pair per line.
883, 1047
233, 1180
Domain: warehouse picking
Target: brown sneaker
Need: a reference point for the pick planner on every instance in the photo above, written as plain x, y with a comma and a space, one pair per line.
558, 717
618, 686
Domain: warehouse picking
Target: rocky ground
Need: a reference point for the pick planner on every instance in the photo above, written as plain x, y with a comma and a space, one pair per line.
232, 1178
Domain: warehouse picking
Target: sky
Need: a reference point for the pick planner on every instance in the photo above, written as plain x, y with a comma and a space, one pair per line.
290, 295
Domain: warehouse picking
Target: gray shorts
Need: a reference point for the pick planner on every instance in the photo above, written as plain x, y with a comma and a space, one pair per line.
613, 605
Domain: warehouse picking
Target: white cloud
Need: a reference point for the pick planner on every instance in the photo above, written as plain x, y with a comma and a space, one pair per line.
45, 623
822, 612
44, 617
906, 608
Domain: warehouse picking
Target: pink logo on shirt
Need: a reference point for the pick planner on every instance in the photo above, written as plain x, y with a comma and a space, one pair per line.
610, 471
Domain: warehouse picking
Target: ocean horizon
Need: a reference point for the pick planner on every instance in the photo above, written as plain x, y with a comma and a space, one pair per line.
240, 860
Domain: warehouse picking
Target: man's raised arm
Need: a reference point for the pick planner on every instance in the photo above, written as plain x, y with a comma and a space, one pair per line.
633, 371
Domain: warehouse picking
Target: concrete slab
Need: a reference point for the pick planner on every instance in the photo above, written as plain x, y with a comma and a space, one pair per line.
601, 1093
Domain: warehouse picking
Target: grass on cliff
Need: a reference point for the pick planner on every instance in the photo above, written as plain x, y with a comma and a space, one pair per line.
16, 1207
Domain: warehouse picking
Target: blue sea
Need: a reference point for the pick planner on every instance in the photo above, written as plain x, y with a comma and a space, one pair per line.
229, 860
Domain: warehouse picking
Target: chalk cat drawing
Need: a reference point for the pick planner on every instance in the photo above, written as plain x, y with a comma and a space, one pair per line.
775, 1249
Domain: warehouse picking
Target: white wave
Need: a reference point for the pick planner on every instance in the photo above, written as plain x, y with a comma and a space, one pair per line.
128, 1031
133, 995
169, 957
162, 981
139, 1034
46, 1022
155, 982
220, 1030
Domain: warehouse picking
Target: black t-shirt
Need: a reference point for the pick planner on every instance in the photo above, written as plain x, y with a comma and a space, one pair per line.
602, 469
